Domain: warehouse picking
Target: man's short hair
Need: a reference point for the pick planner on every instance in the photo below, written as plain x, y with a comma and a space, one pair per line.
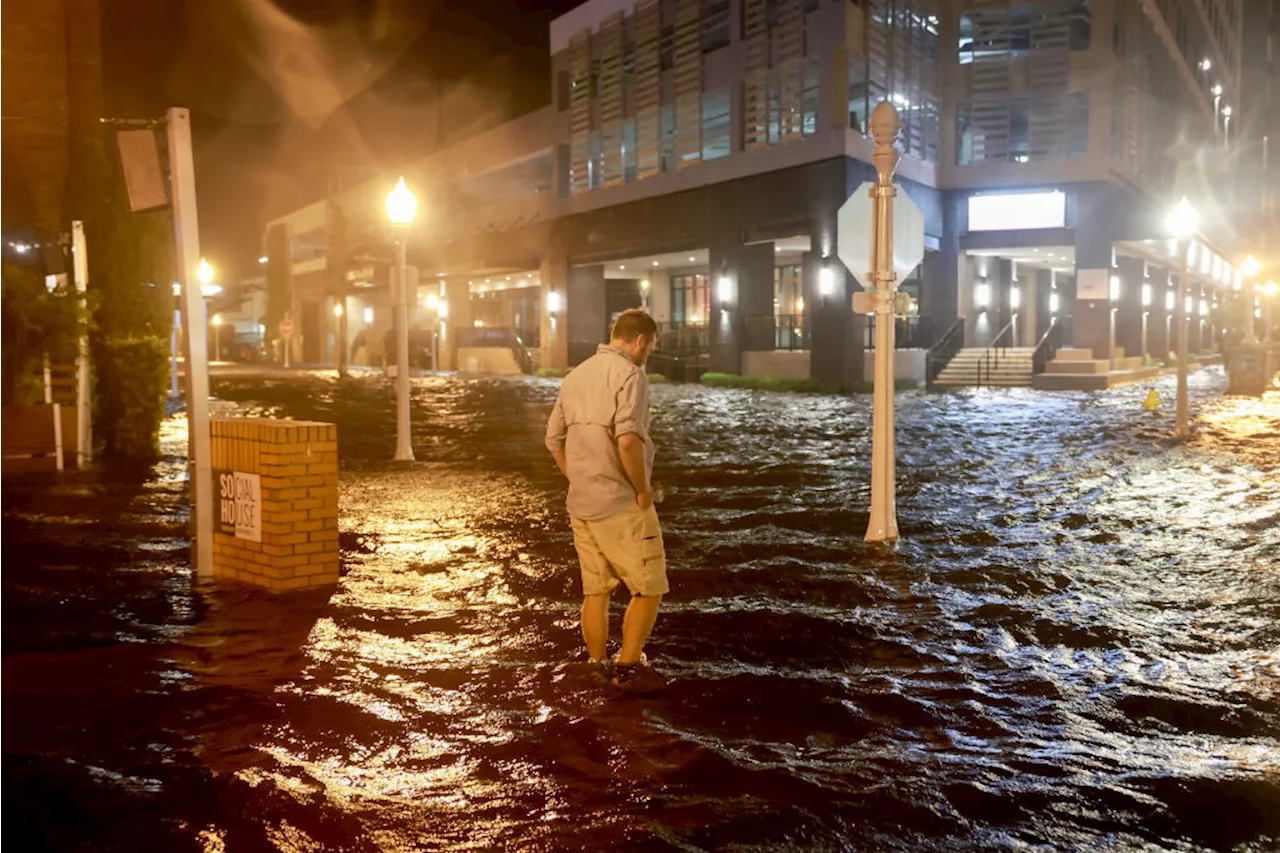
633, 322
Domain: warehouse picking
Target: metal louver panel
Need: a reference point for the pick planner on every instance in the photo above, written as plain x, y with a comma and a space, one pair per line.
756, 86
989, 118
790, 69
648, 86
610, 103
580, 112
1047, 78
902, 67
688, 82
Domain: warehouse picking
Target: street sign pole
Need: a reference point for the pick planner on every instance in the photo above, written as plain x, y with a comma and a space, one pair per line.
186, 238
84, 414
883, 524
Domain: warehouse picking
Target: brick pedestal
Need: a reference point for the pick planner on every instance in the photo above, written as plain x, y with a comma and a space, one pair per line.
275, 502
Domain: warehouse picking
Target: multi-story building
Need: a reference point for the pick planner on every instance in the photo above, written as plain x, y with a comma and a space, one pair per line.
695, 154
52, 92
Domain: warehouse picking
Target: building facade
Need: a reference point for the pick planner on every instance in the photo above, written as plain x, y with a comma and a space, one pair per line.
695, 154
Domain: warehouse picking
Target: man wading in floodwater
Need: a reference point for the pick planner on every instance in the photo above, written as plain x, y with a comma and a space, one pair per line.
599, 436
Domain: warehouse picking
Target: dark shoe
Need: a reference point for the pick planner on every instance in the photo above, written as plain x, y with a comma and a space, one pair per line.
637, 678
601, 670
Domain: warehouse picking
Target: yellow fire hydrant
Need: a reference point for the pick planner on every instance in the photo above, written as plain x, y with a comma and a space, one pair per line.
1152, 402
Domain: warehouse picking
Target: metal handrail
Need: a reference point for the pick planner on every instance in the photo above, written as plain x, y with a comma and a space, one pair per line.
994, 348
943, 351
1044, 349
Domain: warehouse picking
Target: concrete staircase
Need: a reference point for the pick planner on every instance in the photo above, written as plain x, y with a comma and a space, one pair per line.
1075, 369
969, 368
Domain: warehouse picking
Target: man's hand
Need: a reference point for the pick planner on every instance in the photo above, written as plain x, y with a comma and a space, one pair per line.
644, 500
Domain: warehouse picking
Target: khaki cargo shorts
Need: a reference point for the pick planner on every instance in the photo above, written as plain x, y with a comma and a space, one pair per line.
626, 547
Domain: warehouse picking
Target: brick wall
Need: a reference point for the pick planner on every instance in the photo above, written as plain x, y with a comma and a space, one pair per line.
297, 462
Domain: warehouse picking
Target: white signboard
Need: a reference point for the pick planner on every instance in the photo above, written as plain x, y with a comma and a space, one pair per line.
1093, 284
1017, 211
854, 234
239, 502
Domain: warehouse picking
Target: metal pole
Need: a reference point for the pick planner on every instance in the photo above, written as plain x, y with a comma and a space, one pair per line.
883, 525
84, 412
342, 336
186, 239
1181, 429
404, 446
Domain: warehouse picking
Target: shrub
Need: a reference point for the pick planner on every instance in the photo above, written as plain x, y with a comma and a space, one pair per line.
767, 383
657, 379
133, 380
35, 322
553, 372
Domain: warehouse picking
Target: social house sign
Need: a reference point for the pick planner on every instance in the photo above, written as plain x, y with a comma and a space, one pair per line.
238, 497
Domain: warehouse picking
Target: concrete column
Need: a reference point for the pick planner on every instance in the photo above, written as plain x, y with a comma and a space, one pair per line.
836, 338
457, 294
1025, 281
553, 274
1128, 306
1093, 325
660, 296
748, 273
586, 316
1158, 329
1042, 286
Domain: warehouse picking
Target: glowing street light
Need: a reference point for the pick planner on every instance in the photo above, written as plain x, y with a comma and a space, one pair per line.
402, 206
205, 272
1182, 223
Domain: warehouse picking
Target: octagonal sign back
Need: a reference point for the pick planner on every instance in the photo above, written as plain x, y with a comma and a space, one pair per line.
854, 234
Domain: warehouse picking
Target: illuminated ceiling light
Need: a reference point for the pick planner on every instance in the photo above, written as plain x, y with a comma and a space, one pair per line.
263, 259
1226, 110
692, 259
1216, 90
439, 275
1205, 64
622, 266
508, 278
655, 263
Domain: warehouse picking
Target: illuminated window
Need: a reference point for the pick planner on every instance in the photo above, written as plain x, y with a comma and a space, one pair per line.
690, 300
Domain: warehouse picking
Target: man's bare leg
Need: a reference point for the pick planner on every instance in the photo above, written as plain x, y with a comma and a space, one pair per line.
595, 624
642, 612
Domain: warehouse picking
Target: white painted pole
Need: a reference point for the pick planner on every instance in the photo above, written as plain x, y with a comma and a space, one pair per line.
883, 525
404, 444
186, 244
84, 412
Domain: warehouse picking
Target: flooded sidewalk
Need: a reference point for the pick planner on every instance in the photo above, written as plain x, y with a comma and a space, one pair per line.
1076, 644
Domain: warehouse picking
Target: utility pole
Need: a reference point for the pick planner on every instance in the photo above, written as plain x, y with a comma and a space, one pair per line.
186, 244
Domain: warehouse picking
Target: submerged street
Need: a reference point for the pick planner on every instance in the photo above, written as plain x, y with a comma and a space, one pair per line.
1075, 645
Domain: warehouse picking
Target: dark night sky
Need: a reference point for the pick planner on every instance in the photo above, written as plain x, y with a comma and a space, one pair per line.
285, 94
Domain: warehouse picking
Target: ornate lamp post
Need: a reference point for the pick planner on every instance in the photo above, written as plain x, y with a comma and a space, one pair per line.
1183, 222
401, 208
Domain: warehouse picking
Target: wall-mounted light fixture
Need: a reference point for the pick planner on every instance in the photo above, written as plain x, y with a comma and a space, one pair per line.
1114, 291
337, 309
1053, 303
1188, 305
1015, 298
1170, 301
826, 280
1204, 308
982, 295
443, 310
553, 302
368, 316
1146, 295
724, 290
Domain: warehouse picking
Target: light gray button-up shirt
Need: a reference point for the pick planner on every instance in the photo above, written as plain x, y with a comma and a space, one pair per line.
604, 397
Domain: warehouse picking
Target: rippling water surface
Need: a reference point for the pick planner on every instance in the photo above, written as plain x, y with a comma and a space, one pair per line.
1076, 644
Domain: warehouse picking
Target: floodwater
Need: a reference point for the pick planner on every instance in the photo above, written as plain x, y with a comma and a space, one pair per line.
1076, 644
